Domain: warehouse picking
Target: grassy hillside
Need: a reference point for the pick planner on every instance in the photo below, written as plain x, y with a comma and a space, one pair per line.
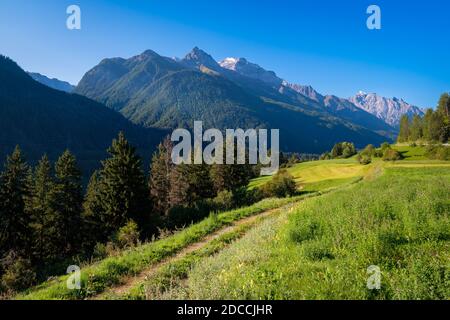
412, 153
396, 217
321, 175
398, 222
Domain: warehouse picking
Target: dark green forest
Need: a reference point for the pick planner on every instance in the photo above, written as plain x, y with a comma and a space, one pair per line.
434, 126
47, 220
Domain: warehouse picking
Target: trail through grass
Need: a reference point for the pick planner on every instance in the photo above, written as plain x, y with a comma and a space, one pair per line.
398, 222
110, 271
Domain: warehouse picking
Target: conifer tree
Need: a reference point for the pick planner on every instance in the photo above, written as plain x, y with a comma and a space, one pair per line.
231, 177
403, 136
14, 190
416, 128
69, 198
124, 194
427, 119
160, 177
93, 215
190, 183
45, 222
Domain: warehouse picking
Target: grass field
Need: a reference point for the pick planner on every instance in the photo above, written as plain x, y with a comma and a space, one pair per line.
321, 175
349, 217
398, 222
411, 153
97, 277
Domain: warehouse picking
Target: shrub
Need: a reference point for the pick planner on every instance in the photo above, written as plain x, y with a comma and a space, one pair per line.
349, 150
128, 235
364, 159
438, 152
100, 251
343, 150
384, 146
281, 185
180, 216
18, 273
391, 155
326, 156
369, 150
224, 201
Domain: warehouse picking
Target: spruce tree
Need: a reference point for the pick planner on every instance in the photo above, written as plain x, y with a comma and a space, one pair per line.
69, 198
404, 133
231, 177
45, 222
427, 120
416, 128
190, 183
14, 190
160, 177
124, 194
444, 105
93, 216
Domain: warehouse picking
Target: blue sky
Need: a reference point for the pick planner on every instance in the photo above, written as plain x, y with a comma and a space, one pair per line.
322, 43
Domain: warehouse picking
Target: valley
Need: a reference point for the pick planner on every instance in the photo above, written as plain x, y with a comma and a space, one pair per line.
296, 248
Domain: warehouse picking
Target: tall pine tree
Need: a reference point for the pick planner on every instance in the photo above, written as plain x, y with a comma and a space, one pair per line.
14, 190
69, 197
94, 217
403, 136
45, 221
124, 193
416, 128
160, 177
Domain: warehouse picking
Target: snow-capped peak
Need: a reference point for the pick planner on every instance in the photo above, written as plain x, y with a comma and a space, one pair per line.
251, 70
389, 110
229, 63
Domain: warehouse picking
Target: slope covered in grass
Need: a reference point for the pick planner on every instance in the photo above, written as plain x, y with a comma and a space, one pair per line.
97, 277
320, 175
398, 222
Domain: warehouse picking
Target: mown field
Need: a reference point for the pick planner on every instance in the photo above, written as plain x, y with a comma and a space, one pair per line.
321, 175
398, 222
317, 245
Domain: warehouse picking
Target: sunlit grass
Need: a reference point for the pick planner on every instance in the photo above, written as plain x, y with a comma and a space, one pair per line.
320, 172
399, 222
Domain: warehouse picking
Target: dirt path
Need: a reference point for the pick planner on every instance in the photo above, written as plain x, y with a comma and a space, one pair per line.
129, 282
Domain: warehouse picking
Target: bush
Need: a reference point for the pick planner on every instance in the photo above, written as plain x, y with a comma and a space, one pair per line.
180, 216
128, 235
281, 185
364, 159
224, 201
391, 155
384, 146
369, 150
325, 156
438, 152
343, 150
18, 273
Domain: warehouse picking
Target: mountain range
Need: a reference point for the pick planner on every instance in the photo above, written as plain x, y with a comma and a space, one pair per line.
148, 95
160, 92
52, 83
389, 110
43, 120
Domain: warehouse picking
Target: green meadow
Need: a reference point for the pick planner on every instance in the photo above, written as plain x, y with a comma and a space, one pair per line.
398, 222
317, 245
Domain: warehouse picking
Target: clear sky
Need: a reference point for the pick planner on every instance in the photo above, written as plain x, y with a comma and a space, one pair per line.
322, 43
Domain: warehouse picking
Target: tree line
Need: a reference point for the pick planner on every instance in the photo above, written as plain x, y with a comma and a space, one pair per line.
434, 126
48, 220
